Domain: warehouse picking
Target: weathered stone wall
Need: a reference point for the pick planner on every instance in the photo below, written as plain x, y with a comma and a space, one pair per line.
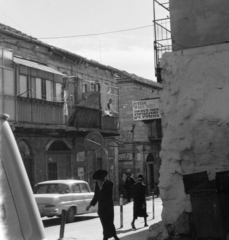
63, 61
130, 90
198, 23
194, 102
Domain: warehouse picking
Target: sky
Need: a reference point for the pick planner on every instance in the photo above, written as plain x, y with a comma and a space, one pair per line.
116, 33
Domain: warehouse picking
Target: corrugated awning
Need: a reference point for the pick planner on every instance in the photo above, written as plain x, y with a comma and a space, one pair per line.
36, 66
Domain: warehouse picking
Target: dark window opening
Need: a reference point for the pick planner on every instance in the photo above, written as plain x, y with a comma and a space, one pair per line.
58, 146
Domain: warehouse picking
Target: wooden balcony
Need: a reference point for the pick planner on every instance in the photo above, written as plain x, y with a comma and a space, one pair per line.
110, 123
83, 117
34, 112
39, 111
89, 114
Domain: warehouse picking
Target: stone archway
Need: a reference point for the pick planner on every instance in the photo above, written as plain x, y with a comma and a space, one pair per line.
65, 144
58, 159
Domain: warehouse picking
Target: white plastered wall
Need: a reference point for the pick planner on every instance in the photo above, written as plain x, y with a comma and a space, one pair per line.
195, 107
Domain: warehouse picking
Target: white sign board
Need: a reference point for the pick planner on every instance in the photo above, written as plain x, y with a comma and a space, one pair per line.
146, 110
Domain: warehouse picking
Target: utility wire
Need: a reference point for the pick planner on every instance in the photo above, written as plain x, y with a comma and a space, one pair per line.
95, 34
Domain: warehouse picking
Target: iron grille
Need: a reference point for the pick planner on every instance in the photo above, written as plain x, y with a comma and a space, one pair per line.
162, 33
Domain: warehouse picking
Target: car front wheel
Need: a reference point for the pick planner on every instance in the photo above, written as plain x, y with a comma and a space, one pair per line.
70, 215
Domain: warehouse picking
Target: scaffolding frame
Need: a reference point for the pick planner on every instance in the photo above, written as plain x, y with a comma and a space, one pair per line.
162, 35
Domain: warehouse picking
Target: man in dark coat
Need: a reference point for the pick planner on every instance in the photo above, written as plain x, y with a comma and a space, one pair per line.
103, 195
128, 186
139, 195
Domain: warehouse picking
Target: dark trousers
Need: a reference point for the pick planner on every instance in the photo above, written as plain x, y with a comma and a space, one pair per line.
107, 221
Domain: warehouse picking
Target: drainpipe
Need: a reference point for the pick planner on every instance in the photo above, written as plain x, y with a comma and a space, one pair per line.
116, 173
145, 169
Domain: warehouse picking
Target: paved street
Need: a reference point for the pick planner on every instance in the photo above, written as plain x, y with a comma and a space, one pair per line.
88, 227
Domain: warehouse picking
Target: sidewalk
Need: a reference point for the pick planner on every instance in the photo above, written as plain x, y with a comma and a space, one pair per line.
126, 232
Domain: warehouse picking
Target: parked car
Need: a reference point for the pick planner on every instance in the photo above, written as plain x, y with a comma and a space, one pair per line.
55, 195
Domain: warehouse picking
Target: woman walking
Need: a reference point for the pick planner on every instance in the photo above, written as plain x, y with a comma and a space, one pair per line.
139, 195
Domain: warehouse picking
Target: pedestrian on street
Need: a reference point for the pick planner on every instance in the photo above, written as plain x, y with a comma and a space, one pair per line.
103, 195
128, 186
139, 195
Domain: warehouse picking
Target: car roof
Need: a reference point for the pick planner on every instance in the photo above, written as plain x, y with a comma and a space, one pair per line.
65, 181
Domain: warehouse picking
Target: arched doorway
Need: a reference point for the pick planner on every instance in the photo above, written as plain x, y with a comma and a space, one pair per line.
58, 160
27, 159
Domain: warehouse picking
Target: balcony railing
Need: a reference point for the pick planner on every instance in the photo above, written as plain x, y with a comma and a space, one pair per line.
110, 123
89, 113
83, 117
52, 113
39, 111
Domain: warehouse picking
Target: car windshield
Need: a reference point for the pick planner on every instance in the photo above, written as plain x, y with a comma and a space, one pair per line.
52, 188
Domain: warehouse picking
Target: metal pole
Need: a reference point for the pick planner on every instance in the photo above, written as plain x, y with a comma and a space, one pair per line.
134, 146
153, 204
62, 225
121, 211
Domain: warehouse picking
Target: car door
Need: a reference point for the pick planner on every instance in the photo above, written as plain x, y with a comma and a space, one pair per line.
88, 195
78, 198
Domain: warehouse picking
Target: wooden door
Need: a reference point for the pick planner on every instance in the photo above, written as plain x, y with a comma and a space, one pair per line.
64, 166
52, 171
59, 165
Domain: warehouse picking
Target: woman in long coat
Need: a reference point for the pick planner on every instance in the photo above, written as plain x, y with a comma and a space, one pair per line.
139, 195
103, 195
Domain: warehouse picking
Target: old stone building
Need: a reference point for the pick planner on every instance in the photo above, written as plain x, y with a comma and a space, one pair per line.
139, 141
54, 99
194, 103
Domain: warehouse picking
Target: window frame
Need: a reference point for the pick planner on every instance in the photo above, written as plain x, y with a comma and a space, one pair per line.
78, 186
38, 82
5, 86
84, 184
40, 88
23, 93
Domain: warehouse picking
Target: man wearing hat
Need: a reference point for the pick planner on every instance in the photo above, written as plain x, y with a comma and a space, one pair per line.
128, 186
103, 195
139, 195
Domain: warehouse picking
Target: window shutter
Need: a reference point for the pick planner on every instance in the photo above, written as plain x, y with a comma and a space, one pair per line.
9, 83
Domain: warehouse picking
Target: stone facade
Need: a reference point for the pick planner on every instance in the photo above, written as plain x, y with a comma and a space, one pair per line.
198, 23
134, 140
194, 102
57, 150
38, 145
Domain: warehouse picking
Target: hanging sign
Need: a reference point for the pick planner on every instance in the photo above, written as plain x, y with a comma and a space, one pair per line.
146, 110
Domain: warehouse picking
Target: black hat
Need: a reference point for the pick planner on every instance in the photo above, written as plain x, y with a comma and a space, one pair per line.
128, 174
99, 174
140, 177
